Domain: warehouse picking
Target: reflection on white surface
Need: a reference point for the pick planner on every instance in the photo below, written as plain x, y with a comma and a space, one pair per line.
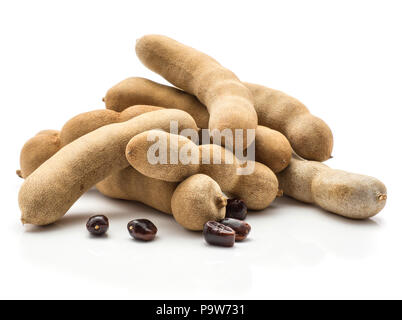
286, 239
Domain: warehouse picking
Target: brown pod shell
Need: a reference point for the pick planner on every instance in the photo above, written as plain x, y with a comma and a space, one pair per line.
272, 147
196, 200
46, 143
258, 188
37, 150
129, 184
228, 101
310, 137
140, 91
347, 194
48, 193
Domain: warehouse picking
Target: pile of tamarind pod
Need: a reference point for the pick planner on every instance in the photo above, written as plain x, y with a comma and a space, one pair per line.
108, 147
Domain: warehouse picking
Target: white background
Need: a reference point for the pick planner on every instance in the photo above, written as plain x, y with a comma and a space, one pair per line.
341, 58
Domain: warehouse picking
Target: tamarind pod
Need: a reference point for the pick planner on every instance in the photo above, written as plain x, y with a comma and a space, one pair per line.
48, 193
228, 101
37, 150
309, 136
47, 142
272, 147
347, 194
258, 188
193, 202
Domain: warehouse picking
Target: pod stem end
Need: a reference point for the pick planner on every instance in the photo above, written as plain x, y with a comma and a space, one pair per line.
221, 202
382, 197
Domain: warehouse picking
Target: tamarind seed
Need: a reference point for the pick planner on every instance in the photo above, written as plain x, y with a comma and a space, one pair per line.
98, 225
142, 229
236, 209
241, 228
217, 234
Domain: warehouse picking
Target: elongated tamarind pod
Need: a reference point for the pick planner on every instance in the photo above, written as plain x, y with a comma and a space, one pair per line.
347, 194
129, 184
193, 202
48, 193
310, 137
258, 187
92, 120
228, 101
46, 143
272, 147
37, 150
134, 91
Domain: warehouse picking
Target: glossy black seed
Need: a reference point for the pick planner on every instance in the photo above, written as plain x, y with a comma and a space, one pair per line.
241, 228
236, 209
142, 229
217, 234
98, 225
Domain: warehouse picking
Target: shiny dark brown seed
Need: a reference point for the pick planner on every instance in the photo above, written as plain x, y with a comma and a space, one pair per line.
241, 228
142, 229
98, 225
236, 209
217, 234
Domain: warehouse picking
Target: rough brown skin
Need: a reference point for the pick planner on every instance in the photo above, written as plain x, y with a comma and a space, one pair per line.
228, 101
193, 202
135, 91
347, 194
257, 189
48, 193
46, 143
37, 150
92, 120
272, 147
197, 200
310, 137
129, 184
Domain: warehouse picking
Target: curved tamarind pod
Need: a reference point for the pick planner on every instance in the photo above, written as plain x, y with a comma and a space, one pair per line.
134, 91
129, 184
310, 137
48, 193
347, 194
92, 120
193, 202
228, 101
257, 188
272, 147
46, 143
37, 150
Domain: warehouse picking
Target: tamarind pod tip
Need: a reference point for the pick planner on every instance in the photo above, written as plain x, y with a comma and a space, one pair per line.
382, 197
221, 202
18, 172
